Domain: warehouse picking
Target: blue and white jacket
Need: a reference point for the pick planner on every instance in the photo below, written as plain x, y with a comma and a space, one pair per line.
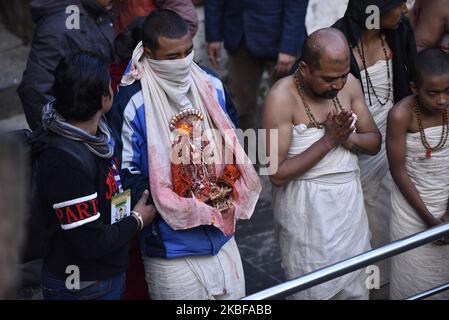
127, 119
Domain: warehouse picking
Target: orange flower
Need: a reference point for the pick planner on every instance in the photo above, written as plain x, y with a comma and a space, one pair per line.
184, 129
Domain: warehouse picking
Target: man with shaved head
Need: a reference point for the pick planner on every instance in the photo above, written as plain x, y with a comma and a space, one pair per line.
322, 123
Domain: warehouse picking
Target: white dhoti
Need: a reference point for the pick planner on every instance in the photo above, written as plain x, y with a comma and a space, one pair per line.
218, 277
320, 218
425, 267
374, 171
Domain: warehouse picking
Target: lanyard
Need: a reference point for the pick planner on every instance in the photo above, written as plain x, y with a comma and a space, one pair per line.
117, 178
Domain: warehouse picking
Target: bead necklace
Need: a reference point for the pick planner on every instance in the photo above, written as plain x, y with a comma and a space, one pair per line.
369, 83
313, 123
444, 133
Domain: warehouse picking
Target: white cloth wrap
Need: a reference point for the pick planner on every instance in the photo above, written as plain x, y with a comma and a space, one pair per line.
320, 216
425, 267
374, 171
218, 277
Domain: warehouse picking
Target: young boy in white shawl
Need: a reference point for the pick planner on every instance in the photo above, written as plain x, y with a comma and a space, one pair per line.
418, 154
322, 121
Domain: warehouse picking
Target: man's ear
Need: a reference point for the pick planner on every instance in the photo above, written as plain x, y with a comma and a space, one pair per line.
106, 99
304, 68
106, 102
148, 53
414, 88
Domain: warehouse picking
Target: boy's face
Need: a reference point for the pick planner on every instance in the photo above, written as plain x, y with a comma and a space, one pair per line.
433, 92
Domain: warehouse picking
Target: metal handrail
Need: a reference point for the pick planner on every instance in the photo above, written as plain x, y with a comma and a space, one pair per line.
341, 268
430, 292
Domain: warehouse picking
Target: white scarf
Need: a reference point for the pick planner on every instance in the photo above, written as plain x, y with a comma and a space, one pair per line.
174, 77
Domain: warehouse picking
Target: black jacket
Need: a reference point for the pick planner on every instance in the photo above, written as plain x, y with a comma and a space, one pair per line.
268, 27
52, 41
74, 189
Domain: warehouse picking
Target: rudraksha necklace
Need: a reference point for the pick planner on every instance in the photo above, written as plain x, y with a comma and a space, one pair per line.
369, 83
444, 132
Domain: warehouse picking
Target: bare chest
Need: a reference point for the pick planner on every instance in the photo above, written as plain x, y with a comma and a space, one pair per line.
307, 111
367, 55
424, 122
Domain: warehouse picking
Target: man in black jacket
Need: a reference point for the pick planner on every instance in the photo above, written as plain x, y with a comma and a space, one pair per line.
258, 36
58, 35
79, 189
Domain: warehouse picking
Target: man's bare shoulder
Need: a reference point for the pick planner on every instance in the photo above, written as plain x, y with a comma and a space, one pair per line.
281, 98
401, 113
443, 5
352, 87
283, 90
438, 8
353, 81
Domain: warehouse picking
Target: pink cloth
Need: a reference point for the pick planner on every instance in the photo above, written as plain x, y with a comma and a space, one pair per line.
127, 10
185, 213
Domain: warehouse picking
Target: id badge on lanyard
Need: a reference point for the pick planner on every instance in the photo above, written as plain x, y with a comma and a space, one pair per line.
121, 202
